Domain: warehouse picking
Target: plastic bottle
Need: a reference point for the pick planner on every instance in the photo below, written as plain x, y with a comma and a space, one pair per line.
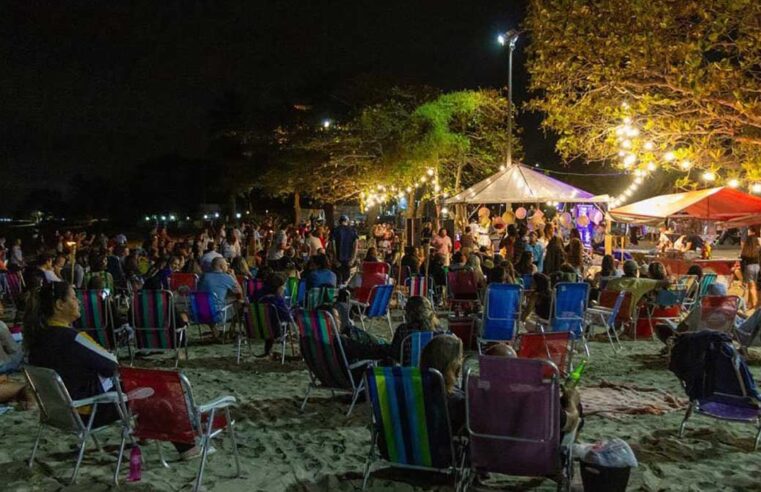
135, 464
575, 376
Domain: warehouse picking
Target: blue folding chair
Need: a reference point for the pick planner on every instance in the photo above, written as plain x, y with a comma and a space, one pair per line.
528, 281
569, 305
502, 314
377, 305
607, 317
413, 345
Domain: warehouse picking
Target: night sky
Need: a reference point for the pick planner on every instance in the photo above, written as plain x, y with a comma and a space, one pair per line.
98, 87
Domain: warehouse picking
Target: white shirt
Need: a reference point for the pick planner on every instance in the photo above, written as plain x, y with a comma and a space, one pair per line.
314, 244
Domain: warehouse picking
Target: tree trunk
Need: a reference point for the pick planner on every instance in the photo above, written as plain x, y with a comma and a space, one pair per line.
330, 219
296, 208
457, 179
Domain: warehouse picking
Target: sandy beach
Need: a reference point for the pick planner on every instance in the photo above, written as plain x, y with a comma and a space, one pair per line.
284, 449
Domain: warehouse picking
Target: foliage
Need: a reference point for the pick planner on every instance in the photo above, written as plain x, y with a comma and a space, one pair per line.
687, 72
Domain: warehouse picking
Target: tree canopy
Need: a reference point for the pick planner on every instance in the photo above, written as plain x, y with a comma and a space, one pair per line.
673, 83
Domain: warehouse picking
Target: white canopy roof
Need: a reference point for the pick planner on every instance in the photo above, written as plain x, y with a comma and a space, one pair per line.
522, 184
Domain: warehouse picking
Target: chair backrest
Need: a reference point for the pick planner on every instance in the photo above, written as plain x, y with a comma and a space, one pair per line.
462, 283
513, 411
528, 281
322, 350
718, 313
253, 288
419, 285
106, 277
53, 399
317, 296
687, 282
380, 298
502, 312
413, 345
554, 347
205, 308
569, 304
373, 267
183, 283
14, 284
153, 319
619, 302
410, 416
261, 321
705, 281
95, 316
168, 413
369, 281
670, 297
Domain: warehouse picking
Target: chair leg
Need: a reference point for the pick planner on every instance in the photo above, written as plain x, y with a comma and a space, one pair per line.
125, 434
758, 435
306, 397
233, 442
161, 455
357, 391
282, 350
390, 326
36, 444
684, 421
206, 442
82, 446
370, 459
240, 340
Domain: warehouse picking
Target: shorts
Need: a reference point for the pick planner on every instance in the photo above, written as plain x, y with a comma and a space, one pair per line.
750, 273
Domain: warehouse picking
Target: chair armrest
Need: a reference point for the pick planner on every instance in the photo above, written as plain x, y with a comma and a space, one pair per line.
110, 397
360, 363
221, 402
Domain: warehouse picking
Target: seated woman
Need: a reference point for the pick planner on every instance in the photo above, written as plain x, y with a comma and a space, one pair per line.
540, 299
420, 316
84, 366
525, 264
444, 354
371, 255
274, 294
357, 343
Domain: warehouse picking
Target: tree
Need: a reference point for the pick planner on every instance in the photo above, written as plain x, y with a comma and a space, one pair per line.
686, 74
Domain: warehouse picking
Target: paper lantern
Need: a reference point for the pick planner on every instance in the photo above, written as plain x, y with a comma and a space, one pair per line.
508, 217
566, 220
582, 220
520, 213
596, 216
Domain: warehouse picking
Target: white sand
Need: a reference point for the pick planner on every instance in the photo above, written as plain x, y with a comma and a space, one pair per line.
320, 449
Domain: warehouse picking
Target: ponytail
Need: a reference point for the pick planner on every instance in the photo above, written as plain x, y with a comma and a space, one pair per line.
39, 308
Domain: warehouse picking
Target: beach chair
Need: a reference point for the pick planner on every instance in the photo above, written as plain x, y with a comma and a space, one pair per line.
556, 347
96, 318
318, 296
418, 285
253, 288
700, 289
502, 314
13, 286
614, 309
183, 283
528, 281
667, 306
373, 267
207, 309
107, 278
377, 305
368, 282
154, 324
413, 345
59, 411
325, 358
513, 421
262, 322
716, 379
462, 288
410, 421
569, 305
170, 414
718, 313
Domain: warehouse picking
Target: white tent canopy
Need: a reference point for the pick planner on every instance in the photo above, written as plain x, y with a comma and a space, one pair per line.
521, 184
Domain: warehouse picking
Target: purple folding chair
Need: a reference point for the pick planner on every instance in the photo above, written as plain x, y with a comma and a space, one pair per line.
513, 420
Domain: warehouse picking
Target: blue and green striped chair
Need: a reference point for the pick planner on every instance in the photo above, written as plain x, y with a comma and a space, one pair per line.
261, 322
325, 358
154, 324
413, 345
410, 420
95, 317
317, 296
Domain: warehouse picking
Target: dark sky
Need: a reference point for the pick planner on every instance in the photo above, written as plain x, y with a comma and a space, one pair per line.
99, 86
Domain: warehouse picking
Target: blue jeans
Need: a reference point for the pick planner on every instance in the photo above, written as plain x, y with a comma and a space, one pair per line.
14, 364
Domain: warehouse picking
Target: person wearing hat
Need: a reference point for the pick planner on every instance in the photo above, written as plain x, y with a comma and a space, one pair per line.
344, 244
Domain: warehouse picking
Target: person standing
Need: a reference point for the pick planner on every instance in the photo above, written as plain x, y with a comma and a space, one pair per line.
344, 243
442, 245
749, 257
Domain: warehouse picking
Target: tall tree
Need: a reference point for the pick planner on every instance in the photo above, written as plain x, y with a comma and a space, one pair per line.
674, 82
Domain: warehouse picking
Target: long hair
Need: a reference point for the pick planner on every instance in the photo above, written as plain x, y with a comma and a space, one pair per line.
751, 248
554, 256
443, 353
419, 311
40, 308
576, 253
608, 266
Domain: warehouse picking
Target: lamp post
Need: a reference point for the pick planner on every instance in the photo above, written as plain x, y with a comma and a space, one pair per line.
509, 38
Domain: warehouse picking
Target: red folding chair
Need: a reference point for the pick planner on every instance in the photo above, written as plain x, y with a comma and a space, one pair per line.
462, 288
170, 414
555, 346
718, 313
183, 283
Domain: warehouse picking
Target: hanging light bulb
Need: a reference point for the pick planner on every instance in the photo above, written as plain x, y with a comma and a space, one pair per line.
685, 165
409, 189
734, 183
436, 188
669, 156
651, 166
620, 131
621, 153
423, 179
639, 180
756, 188
649, 146
709, 176
629, 160
502, 167
628, 120
625, 105
633, 132
627, 144
430, 171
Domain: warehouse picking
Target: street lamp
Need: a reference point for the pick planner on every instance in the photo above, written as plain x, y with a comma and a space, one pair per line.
509, 38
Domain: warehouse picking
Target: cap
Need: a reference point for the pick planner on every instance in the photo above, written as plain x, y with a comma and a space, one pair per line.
343, 218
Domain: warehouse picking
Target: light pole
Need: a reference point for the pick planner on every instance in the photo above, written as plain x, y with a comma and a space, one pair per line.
509, 38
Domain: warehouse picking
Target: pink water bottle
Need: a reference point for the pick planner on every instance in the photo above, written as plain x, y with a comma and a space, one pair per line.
135, 463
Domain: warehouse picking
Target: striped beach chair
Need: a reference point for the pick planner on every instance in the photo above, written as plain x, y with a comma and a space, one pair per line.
413, 345
410, 420
183, 283
418, 285
207, 309
95, 317
154, 324
325, 358
261, 322
377, 305
292, 291
13, 286
253, 288
317, 296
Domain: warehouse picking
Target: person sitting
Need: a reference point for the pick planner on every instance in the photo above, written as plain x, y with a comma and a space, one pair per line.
85, 367
45, 265
240, 267
357, 343
657, 271
11, 354
419, 315
410, 261
540, 299
631, 282
525, 265
371, 255
458, 262
474, 265
436, 270
444, 354
220, 282
274, 288
321, 275
566, 273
